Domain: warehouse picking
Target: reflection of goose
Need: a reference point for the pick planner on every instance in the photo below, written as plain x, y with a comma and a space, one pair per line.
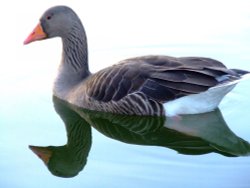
193, 134
148, 85
67, 160
212, 128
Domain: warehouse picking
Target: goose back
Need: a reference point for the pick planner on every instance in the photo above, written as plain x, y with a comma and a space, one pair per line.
141, 85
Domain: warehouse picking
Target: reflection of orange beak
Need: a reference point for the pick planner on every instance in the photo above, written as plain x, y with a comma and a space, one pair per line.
42, 152
37, 34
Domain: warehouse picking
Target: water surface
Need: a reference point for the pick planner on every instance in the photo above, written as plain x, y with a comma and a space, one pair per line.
208, 150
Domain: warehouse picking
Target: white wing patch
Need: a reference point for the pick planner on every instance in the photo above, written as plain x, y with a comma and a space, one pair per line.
202, 102
198, 103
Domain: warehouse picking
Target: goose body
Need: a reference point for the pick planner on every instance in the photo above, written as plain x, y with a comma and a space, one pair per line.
147, 85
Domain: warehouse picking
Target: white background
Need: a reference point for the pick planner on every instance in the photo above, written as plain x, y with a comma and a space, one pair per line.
112, 26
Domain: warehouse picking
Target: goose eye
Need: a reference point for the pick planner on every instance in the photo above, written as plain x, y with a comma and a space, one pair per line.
48, 17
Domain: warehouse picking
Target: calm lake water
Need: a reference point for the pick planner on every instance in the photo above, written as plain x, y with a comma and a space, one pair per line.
208, 150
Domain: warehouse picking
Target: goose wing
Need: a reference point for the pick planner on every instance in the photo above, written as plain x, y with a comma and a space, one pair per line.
161, 78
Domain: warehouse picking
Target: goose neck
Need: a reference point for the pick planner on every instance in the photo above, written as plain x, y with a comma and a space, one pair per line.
74, 64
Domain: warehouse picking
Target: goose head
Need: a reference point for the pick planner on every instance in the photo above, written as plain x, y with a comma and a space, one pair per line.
57, 21
59, 160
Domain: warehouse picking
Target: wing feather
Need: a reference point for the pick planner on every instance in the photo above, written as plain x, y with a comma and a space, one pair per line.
160, 78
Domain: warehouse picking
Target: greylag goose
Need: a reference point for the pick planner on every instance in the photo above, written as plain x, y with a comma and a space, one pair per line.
147, 85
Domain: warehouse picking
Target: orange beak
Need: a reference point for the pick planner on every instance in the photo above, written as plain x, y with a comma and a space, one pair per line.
42, 152
37, 34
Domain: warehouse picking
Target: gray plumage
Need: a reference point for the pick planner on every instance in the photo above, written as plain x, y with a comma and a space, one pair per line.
138, 85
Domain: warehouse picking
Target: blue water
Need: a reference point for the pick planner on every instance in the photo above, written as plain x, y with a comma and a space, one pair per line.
128, 155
